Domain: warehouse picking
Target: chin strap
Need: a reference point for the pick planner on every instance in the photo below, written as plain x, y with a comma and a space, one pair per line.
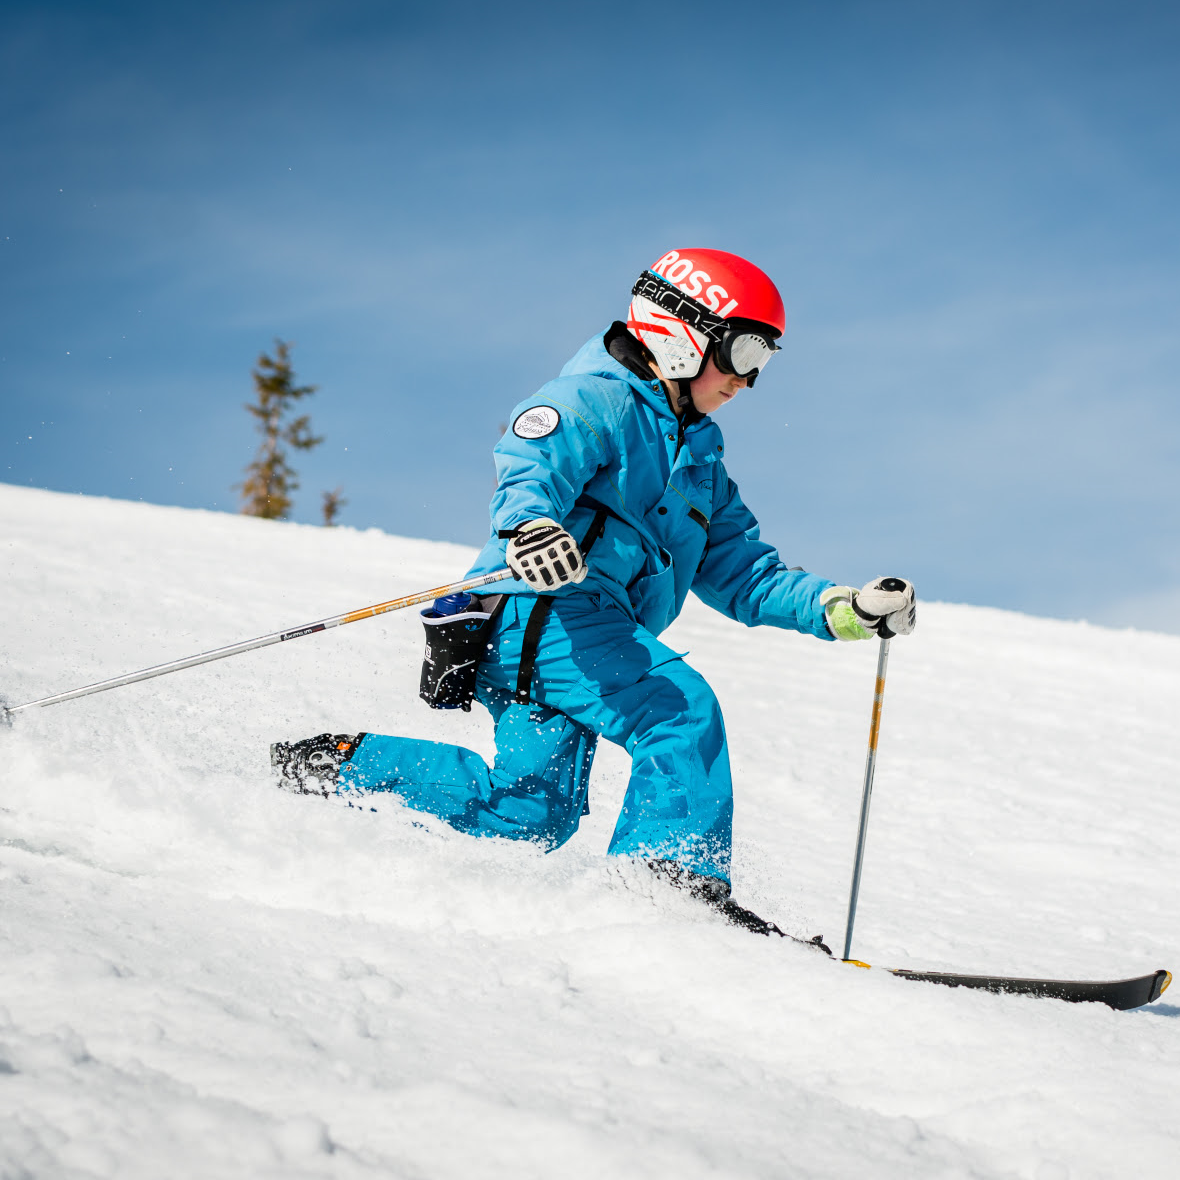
634, 355
688, 412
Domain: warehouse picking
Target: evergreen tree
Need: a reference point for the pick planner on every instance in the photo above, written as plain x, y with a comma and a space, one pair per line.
270, 479
333, 502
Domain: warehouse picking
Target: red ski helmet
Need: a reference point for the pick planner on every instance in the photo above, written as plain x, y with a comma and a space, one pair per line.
693, 301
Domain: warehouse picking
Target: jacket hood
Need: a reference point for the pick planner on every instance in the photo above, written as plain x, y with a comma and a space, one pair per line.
592, 359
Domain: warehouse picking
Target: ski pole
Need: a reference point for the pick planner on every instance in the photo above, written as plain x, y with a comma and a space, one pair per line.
870, 766
8, 711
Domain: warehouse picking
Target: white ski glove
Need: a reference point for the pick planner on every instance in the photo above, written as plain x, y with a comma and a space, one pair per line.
885, 607
545, 555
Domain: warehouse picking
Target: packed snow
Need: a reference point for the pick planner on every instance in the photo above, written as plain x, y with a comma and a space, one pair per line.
201, 975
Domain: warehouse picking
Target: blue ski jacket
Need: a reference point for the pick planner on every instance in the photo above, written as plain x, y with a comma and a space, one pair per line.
600, 437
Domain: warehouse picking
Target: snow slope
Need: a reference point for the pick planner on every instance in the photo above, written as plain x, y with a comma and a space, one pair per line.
203, 976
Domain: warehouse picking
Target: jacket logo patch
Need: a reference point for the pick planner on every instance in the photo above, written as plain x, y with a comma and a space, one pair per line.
536, 422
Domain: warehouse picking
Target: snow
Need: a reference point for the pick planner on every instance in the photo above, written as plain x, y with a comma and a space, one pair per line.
203, 976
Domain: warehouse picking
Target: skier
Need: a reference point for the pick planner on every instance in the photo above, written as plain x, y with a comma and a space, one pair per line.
612, 502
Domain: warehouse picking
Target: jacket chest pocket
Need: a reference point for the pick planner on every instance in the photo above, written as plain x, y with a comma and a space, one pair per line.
678, 524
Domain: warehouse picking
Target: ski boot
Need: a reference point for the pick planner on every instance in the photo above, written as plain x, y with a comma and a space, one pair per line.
311, 767
716, 894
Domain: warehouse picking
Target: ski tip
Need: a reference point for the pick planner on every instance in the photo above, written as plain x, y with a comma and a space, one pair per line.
1164, 978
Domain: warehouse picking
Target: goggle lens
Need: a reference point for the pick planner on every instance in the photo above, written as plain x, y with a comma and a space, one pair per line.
746, 352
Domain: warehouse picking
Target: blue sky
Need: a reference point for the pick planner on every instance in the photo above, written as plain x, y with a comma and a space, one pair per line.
970, 209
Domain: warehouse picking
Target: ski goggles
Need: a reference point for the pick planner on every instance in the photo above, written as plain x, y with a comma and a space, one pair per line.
742, 353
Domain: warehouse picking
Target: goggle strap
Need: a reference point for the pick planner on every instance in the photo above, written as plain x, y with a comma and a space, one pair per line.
682, 306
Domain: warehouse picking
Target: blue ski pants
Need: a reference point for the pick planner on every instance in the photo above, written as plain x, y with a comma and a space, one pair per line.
597, 673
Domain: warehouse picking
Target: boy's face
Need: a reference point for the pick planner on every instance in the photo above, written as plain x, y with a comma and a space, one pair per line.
711, 388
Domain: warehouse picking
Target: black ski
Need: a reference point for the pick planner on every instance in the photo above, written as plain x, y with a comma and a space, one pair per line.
1119, 994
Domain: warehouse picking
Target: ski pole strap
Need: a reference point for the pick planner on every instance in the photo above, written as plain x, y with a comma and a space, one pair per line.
540, 613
